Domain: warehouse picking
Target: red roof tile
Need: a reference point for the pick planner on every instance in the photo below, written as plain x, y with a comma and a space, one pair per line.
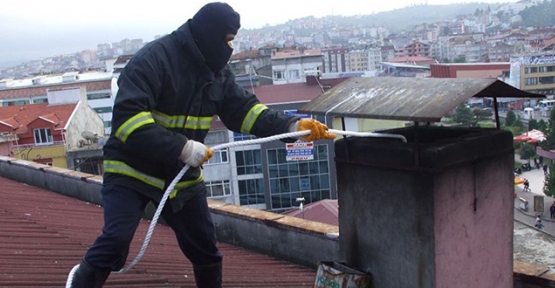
25, 114
44, 234
324, 211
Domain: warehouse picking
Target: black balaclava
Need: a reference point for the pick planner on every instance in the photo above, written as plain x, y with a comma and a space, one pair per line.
209, 28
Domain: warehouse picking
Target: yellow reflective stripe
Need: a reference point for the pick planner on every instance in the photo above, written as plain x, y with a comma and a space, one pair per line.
119, 167
251, 117
185, 184
198, 123
180, 121
132, 124
168, 121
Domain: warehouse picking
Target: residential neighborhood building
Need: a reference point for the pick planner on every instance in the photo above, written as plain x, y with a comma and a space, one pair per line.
293, 65
469, 70
47, 132
336, 60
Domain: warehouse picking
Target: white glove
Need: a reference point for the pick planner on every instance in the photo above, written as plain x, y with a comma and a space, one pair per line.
195, 153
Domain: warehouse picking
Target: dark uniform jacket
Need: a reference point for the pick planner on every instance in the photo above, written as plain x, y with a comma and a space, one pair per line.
167, 95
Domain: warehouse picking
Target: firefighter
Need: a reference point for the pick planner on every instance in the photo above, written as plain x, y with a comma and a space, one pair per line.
167, 97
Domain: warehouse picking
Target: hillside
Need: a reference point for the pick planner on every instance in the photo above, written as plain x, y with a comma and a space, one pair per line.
412, 16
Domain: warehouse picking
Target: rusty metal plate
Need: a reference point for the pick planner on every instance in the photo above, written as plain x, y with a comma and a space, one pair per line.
410, 99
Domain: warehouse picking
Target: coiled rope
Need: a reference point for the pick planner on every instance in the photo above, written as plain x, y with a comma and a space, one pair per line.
170, 188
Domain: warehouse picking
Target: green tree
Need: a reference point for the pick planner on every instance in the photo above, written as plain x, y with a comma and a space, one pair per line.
549, 186
511, 118
542, 126
528, 151
464, 116
482, 114
460, 59
533, 124
549, 143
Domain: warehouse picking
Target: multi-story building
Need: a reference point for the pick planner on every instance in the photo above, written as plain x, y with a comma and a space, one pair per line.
335, 60
365, 60
292, 66
417, 49
261, 175
34, 90
500, 52
47, 132
534, 73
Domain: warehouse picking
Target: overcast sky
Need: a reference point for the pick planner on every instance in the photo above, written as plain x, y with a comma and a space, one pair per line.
32, 29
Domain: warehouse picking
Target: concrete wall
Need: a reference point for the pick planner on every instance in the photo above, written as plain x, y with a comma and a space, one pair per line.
284, 237
84, 118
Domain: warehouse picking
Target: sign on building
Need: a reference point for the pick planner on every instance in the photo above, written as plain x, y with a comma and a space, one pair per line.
299, 151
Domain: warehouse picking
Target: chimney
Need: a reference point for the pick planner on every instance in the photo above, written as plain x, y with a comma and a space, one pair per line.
435, 210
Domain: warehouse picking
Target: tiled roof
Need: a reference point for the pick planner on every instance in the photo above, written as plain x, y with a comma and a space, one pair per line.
18, 117
286, 93
324, 211
31, 91
296, 53
44, 234
251, 54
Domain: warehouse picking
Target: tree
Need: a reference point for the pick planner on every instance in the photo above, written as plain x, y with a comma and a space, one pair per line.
511, 118
464, 116
460, 59
533, 124
528, 151
549, 143
542, 126
549, 185
482, 114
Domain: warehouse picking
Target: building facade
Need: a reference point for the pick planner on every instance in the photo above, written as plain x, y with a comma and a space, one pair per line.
292, 66
336, 60
534, 73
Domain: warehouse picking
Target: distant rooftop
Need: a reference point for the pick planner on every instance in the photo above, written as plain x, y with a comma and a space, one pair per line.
53, 79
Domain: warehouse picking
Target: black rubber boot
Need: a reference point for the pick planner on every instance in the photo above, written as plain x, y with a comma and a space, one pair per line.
88, 277
208, 276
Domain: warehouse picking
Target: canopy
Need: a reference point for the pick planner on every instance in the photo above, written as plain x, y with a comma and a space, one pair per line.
532, 136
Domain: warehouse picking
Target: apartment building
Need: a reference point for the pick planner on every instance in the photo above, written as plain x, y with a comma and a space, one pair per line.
292, 65
47, 132
34, 90
365, 60
534, 73
336, 60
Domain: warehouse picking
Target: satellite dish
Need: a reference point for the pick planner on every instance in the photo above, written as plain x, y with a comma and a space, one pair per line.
93, 137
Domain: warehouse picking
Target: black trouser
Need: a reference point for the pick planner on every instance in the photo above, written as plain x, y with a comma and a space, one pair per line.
192, 225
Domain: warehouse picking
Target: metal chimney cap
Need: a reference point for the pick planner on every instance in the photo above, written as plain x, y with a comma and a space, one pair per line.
409, 99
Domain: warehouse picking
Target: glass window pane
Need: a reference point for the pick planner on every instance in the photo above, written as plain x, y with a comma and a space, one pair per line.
272, 157
326, 194
294, 182
243, 200
284, 185
304, 183
324, 181
257, 157
241, 171
248, 157
217, 190
240, 159
283, 170
273, 169
313, 167
294, 169
282, 156
242, 187
274, 187
303, 168
323, 167
315, 182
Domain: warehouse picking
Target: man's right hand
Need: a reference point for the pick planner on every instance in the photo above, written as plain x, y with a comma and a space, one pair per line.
195, 153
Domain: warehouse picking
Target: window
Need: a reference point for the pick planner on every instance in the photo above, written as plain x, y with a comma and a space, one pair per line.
530, 81
294, 74
43, 136
546, 80
251, 192
103, 110
40, 100
218, 188
107, 124
220, 156
248, 162
278, 75
242, 137
94, 96
292, 179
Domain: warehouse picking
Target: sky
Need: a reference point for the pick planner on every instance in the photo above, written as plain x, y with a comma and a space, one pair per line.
34, 29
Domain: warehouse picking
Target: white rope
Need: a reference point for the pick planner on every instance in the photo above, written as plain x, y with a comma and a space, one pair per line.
219, 147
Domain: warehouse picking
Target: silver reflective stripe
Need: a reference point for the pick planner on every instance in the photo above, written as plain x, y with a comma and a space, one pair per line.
251, 117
